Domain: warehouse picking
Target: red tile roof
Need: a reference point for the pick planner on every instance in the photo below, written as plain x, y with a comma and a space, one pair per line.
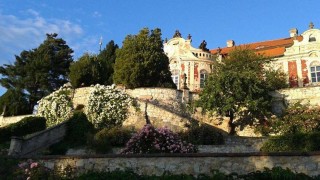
272, 48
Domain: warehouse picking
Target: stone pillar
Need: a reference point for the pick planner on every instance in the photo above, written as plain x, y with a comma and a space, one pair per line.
185, 95
15, 146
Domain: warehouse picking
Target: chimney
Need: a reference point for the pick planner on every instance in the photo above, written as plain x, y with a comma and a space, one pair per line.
293, 32
230, 43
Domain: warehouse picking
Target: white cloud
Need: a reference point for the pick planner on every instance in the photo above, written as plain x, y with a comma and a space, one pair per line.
19, 34
96, 14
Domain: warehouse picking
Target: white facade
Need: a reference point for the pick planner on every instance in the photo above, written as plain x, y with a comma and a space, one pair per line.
302, 60
184, 59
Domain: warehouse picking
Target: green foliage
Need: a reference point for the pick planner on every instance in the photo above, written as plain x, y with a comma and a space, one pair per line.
13, 103
239, 87
141, 61
39, 71
26, 126
78, 134
297, 118
202, 135
304, 142
8, 168
78, 129
108, 57
107, 138
92, 69
276, 173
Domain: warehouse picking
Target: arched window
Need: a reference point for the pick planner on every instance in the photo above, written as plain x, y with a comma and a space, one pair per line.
203, 76
175, 77
315, 71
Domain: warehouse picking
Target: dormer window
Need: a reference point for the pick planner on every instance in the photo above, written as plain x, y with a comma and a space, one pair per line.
312, 38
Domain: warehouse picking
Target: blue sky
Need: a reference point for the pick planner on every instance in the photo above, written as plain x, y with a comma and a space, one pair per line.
24, 23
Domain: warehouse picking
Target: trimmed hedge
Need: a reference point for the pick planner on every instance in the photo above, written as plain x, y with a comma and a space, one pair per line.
27, 125
302, 142
107, 138
202, 135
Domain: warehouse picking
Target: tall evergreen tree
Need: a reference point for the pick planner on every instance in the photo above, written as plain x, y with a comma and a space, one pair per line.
108, 57
141, 61
39, 71
13, 102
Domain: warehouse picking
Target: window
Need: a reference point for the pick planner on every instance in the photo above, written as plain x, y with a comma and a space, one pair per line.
175, 77
312, 38
315, 73
203, 76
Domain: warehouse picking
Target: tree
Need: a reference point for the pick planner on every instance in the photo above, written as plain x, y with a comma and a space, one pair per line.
13, 102
141, 61
108, 57
93, 69
239, 87
85, 71
39, 71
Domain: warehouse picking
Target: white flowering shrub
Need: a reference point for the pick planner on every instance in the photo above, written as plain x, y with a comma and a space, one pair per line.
56, 107
107, 106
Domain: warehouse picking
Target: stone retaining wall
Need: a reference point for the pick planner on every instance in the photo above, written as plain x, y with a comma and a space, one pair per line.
195, 164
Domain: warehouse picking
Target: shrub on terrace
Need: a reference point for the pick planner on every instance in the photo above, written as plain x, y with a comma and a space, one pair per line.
107, 106
203, 134
106, 138
56, 107
302, 142
26, 126
297, 118
153, 140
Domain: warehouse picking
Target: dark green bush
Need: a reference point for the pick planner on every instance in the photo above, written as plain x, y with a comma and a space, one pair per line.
297, 118
78, 129
114, 137
27, 125
78, 134
302, 142
8, 167
202, 135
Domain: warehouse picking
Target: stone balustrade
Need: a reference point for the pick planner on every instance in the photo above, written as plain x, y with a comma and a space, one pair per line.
22, 146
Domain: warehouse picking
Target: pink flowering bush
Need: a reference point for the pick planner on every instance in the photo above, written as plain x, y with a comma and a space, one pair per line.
33, 170
157, 140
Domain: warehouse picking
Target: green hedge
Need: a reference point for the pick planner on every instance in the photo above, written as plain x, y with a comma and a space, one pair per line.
107, 138
27, 125
202, 135
302, 142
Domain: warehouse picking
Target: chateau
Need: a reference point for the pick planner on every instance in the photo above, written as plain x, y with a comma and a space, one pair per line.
297, 55
189, 66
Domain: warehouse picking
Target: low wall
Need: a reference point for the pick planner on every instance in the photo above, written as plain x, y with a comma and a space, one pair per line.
21, 146
4, 121
306, 95
195, 164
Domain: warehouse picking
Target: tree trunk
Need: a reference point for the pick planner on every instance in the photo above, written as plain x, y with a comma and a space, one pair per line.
231, 125
146, 113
